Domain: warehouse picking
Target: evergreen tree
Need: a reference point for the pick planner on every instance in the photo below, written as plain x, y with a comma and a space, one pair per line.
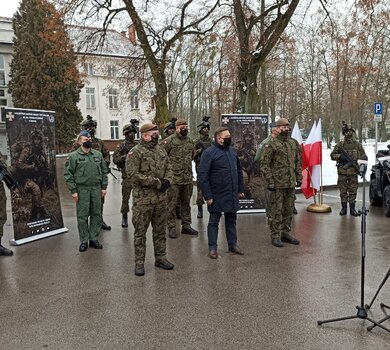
43, 72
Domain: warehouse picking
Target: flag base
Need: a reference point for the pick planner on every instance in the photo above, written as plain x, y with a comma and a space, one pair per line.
319, 208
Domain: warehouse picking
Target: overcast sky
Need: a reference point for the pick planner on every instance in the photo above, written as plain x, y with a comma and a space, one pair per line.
8, 7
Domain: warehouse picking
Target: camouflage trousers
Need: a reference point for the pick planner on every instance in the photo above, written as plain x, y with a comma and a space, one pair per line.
89, 216
348, 185
179, 195
126, 191
199, 195
3, 210
280, 212
143, 215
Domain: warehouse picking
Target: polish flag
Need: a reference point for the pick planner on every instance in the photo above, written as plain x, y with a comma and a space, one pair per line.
308, 185
315, 158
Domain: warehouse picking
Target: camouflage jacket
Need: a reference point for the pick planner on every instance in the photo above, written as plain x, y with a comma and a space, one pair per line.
120, 155
201, 145
85, 170
98, 145
181, 151
146, 166
256, 161
281, 162
355, 149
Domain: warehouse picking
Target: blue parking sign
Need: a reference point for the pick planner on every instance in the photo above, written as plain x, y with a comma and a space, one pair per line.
377, 108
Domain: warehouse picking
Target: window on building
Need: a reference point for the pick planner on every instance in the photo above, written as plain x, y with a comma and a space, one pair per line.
90, 94
88, 68
111, 70
114, 126
2, 71
113, 98
134, 100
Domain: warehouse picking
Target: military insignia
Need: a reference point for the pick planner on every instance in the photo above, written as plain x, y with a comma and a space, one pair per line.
130, 154
266, 145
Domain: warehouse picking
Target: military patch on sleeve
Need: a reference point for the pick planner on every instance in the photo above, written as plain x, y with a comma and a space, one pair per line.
266, 145
164, 142
130, 154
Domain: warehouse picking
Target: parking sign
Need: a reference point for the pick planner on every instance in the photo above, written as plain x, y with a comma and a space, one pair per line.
378, 108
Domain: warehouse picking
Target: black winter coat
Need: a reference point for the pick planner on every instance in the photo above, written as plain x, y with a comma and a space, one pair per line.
220, 178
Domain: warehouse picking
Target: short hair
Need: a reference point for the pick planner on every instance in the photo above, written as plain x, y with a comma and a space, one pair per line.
219, 131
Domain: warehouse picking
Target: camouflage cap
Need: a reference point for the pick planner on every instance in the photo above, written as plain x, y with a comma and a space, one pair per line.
282, 122
148, 127
181, 122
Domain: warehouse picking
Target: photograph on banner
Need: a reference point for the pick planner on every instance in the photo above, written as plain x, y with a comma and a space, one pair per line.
248, 130
36, 207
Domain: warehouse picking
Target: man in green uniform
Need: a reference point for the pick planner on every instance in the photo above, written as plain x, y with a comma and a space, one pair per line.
148, 167
181, 151
347, 169
269, 196
119, 158
3, 209
169, 128
86, 178
280, 163
201, 145
97, 144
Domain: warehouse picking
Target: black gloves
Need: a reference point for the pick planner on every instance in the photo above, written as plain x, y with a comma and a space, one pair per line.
271, 188
165, 184
299, 184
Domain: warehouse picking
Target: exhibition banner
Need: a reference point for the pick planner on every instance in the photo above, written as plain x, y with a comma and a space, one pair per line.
36, 207
248, 130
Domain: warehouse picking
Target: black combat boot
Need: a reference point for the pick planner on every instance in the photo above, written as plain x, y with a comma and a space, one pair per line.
352, 210
178, 214
5, 252
124, 220
200, 212
105, 226
343, 210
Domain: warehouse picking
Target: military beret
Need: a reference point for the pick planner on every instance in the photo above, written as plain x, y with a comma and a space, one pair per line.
282, 122
148, 127
181, 122
84, 133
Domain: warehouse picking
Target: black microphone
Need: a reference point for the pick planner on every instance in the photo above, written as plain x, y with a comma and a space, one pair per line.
362, 167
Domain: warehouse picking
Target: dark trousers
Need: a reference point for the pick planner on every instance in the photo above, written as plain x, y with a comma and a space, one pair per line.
230, 229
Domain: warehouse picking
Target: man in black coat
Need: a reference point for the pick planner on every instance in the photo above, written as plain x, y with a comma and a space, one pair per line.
221, 180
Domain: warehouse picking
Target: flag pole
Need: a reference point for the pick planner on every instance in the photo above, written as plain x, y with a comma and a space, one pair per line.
321, 207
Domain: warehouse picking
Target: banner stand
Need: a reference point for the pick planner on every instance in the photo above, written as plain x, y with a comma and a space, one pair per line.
16, 242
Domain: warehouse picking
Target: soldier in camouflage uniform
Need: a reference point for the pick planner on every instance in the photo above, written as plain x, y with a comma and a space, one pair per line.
119, 158
201, 145
181, 150
348, 171
169, 128
86, 178
280, 163
3, 210
270, 200
97, 144
148, 167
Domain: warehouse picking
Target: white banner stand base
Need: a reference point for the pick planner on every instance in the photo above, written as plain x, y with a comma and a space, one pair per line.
37, 237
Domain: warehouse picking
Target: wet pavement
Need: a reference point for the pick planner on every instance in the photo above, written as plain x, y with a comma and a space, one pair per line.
54, 297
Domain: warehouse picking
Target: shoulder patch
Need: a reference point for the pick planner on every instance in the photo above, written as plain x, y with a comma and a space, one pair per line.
130, 154
266, 145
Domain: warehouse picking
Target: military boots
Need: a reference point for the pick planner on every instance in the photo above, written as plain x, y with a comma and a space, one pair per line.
105, 226
343, 210
352, 209
200, 212
124, 220
5, 252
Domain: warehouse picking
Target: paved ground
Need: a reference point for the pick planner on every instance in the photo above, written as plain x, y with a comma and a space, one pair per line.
54, 297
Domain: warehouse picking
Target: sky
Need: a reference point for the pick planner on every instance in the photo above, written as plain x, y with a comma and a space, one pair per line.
8, 7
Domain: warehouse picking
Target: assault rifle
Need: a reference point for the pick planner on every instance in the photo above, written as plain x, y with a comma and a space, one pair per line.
7, 178
347, 161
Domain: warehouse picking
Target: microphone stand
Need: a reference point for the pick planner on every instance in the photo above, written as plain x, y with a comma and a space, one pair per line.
361, 310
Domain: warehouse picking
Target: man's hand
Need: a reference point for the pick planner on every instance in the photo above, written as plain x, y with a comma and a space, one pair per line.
271, 187
241, 195
75, 197
165, 184
104, 192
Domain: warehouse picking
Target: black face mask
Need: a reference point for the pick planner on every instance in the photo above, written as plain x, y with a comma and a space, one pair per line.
227, 141
284, 133
184, 132
154, 140
87, 144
